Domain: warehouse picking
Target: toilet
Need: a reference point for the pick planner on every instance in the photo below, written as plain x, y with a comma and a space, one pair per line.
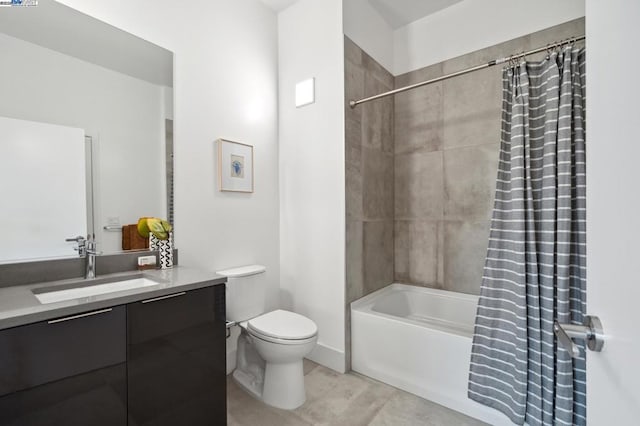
271, 345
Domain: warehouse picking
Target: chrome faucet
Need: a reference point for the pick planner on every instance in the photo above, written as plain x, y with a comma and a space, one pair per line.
87, 250
90, 269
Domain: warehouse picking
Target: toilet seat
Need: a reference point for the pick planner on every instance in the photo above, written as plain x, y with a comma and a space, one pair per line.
277, 341
283, 327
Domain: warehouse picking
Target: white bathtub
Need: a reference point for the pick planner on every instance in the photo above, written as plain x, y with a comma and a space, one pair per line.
419, 340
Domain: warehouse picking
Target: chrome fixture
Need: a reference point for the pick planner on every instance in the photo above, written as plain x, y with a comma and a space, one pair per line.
87, 250
591, 332
82, 245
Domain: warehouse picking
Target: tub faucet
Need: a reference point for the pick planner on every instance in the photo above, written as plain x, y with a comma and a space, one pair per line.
87, 250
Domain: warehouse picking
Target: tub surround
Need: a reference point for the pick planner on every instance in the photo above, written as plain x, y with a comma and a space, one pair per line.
369, 175
446, 154
18, 305
424, 219
368, 180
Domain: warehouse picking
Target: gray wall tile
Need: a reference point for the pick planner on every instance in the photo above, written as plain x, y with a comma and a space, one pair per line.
417, 76
418, 115
421, 169
374, 69
369, 134
354, 89
419, 119
377, 116
416, 252
388, 119
377, 184
472, 109
354, 264
352, 51
353, 169
377, 255
469, 182
465, 248
439, 188
419, 185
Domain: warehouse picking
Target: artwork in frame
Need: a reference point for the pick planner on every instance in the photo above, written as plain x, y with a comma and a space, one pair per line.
235, 166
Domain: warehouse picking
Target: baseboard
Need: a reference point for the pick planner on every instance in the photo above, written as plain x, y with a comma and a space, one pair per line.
329, 357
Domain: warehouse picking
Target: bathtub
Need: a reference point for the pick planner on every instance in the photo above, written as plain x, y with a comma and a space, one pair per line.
419, 340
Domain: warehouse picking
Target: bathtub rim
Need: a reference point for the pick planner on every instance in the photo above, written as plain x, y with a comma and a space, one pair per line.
364, 306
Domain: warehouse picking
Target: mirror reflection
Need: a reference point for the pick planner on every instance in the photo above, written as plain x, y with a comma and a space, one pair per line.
85, 131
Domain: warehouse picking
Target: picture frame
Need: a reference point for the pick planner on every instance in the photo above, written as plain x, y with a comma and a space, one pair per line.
235, 166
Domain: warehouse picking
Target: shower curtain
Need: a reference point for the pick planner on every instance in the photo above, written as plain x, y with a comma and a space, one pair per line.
534, 271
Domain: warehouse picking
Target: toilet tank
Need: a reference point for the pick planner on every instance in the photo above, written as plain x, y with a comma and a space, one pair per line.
246, 293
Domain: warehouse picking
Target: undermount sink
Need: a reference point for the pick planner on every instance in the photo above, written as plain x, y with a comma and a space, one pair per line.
87, 288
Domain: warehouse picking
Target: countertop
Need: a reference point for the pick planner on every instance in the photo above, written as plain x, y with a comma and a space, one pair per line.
18, 305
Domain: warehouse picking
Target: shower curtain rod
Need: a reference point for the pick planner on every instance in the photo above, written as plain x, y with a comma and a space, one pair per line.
548, 47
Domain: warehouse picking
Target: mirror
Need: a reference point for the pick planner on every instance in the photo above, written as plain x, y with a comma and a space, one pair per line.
67, 78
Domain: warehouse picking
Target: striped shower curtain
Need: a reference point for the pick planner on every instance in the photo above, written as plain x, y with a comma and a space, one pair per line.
534, 271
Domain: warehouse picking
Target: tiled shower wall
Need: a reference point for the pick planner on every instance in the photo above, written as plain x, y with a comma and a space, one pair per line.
446, 156
421, 169
369, 175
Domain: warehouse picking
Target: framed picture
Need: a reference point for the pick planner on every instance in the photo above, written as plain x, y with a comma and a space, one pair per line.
235, 166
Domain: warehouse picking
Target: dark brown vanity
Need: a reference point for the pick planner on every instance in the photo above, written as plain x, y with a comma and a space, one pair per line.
154, 361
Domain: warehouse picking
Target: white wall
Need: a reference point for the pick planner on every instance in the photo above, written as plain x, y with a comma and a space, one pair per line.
472, 25
124, 116
366, 28
613, 153
312, 185
225, 85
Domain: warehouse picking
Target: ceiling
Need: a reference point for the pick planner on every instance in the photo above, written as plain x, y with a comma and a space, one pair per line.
398, 13
278, 5
58, 27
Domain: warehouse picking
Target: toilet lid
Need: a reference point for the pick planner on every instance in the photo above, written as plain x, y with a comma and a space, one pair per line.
283, 325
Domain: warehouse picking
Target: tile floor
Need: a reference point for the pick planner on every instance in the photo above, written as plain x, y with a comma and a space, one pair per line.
342, 399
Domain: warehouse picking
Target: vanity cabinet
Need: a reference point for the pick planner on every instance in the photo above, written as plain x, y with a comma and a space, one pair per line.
70, 371
159, 361
176, 361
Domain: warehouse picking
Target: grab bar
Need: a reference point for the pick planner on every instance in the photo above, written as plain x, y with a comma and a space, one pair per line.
591, 332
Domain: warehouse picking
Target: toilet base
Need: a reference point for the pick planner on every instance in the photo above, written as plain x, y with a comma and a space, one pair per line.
248, 383
272, 371
284, 385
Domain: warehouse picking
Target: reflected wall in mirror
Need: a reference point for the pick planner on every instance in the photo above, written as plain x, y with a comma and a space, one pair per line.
64, 69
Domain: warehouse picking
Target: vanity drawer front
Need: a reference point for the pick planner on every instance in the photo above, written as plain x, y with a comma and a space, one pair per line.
177, 359
66, 371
